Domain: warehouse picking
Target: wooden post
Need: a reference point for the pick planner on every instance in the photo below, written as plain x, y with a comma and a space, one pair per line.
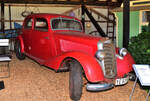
2, 49
83, 17
2, 17
10, 17
126, 22
96, 25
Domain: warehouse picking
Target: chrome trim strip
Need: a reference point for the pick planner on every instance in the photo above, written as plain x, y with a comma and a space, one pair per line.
118, 56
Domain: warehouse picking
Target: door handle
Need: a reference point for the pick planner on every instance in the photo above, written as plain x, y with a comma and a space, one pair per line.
47, 38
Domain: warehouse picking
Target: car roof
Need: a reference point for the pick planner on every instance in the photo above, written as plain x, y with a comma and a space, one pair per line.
50, 15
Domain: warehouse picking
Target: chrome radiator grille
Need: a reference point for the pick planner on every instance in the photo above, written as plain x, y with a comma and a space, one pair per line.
109, 60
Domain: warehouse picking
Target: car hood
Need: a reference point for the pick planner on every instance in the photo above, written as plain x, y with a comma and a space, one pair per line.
77, 41
79, 37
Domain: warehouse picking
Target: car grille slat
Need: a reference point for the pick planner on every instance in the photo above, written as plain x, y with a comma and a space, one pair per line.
109, 60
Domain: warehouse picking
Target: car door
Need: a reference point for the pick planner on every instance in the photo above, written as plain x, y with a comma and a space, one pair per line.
27, 31
41, 48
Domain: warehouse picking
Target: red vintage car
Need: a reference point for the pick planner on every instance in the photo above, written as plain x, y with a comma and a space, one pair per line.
60, 43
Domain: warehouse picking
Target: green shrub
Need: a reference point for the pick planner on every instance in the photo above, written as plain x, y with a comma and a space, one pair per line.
146, 28
139, 47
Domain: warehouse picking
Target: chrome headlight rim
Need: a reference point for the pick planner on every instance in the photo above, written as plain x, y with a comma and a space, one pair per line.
123, 52
100, 46
100, 54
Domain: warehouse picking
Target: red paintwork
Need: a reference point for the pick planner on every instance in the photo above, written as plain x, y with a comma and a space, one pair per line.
124, 66
21, 43
90, 65
52, 47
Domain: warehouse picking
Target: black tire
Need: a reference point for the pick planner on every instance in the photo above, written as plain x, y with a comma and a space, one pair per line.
75, 80
19, 55
132, 76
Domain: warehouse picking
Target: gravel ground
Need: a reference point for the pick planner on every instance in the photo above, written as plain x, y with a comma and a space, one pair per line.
29, 81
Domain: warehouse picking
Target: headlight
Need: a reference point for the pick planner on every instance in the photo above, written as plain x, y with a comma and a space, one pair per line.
123, 52
100, 55
100, 45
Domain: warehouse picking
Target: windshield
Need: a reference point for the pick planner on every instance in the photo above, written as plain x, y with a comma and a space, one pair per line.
66, 24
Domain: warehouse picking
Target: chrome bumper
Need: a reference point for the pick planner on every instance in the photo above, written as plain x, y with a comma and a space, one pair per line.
99, 87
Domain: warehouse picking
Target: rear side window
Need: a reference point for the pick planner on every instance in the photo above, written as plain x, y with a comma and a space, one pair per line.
28, 23
41, 24
66, 24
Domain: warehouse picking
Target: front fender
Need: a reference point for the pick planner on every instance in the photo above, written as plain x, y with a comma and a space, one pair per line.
124, 65
90, 65
19, 38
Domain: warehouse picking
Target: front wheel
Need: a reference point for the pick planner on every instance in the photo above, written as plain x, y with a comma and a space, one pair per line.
75, 80
19, 54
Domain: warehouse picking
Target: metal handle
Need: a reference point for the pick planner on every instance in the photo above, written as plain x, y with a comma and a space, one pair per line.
47, 38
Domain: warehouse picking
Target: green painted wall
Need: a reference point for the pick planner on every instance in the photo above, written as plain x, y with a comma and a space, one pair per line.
134, 25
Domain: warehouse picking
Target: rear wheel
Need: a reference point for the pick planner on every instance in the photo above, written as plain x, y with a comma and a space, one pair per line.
75, 80
19, 54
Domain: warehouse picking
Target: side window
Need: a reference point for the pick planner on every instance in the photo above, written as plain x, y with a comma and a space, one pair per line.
28, 23
41, 24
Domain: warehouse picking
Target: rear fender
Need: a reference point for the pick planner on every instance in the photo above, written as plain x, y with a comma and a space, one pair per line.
90, 65
20, 39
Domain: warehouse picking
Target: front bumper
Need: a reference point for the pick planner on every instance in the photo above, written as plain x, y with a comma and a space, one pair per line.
106, 86
99, 87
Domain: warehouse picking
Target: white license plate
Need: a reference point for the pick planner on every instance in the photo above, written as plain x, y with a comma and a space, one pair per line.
121, 81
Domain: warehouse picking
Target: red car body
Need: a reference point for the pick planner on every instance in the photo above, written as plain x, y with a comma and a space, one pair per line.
51, 47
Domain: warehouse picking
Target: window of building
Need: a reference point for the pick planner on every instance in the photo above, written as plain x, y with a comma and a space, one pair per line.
145, 17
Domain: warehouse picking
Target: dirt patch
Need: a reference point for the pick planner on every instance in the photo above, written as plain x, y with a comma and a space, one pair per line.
29, 81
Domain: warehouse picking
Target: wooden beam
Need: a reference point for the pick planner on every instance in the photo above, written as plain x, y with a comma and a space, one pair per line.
126, 23
96, 25
83, 17
98, 3
109, 0
68, 11
96, 21
10, 16
101, 15
52, 5
2, 16
39, 5
137, 8
12, 20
